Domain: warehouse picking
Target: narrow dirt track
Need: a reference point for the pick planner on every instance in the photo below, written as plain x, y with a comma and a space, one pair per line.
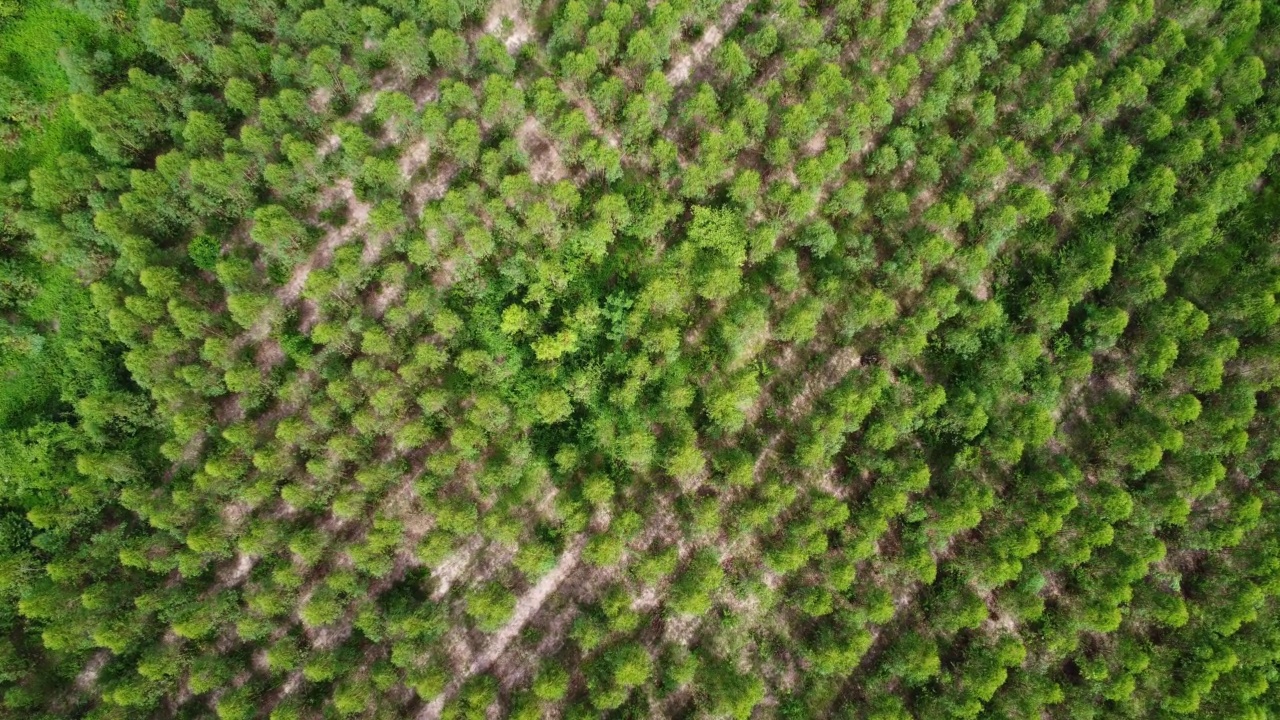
526, 607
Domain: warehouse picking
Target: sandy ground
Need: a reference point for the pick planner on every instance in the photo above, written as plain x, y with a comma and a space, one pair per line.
545, 165
522, 31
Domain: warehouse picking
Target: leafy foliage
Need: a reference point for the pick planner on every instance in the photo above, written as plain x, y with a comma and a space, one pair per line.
688, 358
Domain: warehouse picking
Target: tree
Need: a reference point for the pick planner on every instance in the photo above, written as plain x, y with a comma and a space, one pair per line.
449, 50
716, 242
726, 692
625, 667
473, 700
248, 308
551, 683
490, 605
279, 234
1242, 84
728, 399
643, 52
407, 49
224, 188
202, 134
237, 704
379, 178
691, 593
492, 55
395, 111
914, 658
323, 608
464, 141
800, 324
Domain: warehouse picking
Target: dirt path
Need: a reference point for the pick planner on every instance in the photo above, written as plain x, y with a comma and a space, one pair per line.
86, 681
526, 607
840, 363
583, 103
453, 566
343, 191
682, 68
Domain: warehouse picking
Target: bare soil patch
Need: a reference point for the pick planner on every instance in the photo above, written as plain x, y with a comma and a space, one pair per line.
522, 30
545, 165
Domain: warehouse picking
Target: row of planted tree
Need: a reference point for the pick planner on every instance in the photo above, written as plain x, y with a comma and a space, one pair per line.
857, 359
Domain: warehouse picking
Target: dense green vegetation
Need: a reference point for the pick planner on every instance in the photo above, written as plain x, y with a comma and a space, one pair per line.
549, 358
